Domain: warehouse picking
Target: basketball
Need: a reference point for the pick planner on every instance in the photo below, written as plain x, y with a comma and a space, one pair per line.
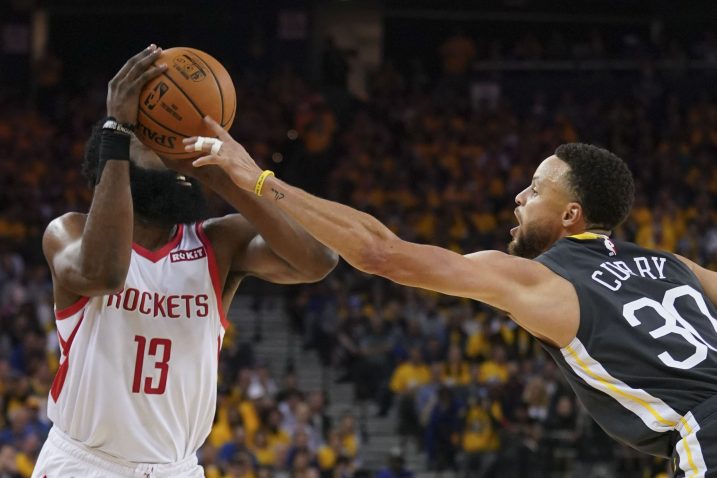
172, 105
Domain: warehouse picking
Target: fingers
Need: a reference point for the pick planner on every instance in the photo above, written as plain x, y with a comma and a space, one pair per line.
217, 129
203, 144
155, 70
142, 66
132, 61
206, 161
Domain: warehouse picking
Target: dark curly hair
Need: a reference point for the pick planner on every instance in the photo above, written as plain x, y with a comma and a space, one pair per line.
601, 182
92, 155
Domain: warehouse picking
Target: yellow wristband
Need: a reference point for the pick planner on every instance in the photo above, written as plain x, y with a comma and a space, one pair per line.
260, 182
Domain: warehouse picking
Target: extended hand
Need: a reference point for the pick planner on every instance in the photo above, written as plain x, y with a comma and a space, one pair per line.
230, 156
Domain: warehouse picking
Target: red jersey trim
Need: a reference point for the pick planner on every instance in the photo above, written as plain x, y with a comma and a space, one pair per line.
71, 310
213, 271
162, 252
59, 382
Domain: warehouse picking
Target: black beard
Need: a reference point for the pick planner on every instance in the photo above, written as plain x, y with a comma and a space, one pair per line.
530, 243
159, 199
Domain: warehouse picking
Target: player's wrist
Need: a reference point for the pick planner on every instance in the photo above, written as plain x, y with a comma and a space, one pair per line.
113, 124
114, 144
261, 179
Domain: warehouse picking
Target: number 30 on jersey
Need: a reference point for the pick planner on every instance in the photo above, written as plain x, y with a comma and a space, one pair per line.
675, 323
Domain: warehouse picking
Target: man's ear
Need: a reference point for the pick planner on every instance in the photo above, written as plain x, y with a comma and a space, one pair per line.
572, 215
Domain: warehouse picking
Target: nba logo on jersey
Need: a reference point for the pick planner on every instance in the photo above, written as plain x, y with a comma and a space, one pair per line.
610, 247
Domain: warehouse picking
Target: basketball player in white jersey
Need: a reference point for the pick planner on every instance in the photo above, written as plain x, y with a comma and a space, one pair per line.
141, 290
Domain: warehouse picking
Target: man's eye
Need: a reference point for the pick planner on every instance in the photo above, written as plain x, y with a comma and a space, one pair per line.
535, 191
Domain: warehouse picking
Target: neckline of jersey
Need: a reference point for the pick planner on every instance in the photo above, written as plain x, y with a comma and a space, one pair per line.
583, 236
162, 252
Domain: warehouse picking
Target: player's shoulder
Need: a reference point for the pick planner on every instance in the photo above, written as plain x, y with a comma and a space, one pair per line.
228, 231
68, 225
62, 231
229, 223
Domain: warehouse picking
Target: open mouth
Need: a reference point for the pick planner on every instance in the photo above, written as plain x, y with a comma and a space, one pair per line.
514, 231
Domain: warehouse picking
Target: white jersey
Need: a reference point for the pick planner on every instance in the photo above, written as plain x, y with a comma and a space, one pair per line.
138, 369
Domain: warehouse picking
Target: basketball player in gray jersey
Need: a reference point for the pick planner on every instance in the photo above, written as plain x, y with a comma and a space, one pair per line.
633, 330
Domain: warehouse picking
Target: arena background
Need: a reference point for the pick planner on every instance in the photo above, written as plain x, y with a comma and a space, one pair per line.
430, 115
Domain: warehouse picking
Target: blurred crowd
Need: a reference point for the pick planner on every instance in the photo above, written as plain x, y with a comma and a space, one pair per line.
493, 42
266, 429
439, 165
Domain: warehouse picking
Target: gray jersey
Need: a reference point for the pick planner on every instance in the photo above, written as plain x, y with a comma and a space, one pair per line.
645, 354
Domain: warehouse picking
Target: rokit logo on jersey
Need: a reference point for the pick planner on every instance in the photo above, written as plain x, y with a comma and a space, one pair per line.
192, 255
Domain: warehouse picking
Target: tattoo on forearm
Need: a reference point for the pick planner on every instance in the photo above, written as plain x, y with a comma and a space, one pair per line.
277, 194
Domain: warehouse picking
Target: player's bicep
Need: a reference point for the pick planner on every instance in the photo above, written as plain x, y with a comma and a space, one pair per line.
259, 260
250, 254
488, 276
61, 245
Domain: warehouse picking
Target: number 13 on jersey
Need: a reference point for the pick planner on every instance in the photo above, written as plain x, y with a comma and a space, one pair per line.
161, 350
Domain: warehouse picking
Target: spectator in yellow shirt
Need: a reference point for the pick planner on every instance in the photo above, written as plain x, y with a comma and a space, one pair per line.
406, 380
27, 456
277, 437
410, 374
495, 369
248, 409
222, 428
477, 345
328, 454
456, 371
349, 436
264, 453
480, 439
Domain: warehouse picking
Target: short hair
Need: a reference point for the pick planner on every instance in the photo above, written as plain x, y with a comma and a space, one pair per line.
92, 155
601, 182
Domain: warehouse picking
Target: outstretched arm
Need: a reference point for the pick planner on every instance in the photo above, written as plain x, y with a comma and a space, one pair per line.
363, 241
542, 302
368, 245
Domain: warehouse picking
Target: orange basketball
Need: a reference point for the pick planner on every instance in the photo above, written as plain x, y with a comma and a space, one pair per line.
172, 105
